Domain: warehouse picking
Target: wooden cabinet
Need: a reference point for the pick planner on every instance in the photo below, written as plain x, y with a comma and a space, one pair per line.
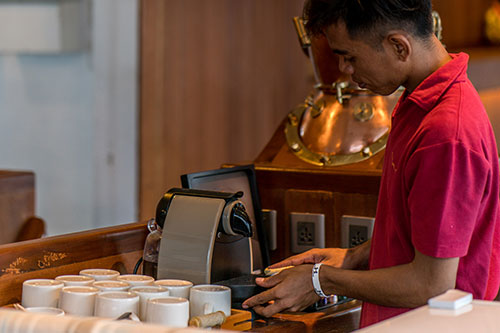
17, 202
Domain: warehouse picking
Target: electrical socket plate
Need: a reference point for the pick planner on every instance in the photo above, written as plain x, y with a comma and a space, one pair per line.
308, 231
355, 230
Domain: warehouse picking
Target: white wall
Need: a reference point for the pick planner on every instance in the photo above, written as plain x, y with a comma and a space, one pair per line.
72, 119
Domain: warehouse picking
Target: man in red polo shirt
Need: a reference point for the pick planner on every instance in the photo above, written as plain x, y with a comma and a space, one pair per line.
437, 223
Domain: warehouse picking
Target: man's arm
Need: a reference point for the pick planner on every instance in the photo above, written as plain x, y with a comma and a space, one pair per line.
409, 285
353, 258
358, 257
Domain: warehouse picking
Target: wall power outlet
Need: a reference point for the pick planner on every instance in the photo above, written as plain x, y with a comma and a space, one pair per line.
308, 231
355, 230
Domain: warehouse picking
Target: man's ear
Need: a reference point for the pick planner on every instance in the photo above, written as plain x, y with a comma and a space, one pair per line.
400, 46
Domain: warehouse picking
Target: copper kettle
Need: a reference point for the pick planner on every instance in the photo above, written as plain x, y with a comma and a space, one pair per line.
338, 123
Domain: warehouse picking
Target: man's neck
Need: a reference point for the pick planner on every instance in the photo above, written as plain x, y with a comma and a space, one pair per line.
426, 60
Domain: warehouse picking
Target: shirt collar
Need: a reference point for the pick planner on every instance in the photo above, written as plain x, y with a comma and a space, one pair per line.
429, 91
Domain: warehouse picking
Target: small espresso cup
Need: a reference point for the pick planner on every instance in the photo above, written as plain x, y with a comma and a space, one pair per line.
177, 288
45, 310
170, 311
75, 280
41, 293
208, 298
111, 285
78, 300
112, 304
135, 280
100, 274
148, 292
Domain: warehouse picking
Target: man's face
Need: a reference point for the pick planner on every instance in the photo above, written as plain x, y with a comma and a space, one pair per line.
371, 68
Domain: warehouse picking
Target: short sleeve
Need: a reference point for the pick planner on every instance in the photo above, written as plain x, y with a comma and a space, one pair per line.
445, 184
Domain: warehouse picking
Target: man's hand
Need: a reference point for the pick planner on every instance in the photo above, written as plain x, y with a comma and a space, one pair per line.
331, 256
290, 290
354, 258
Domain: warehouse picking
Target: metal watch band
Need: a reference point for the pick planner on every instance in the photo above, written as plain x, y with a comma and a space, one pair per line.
315, 281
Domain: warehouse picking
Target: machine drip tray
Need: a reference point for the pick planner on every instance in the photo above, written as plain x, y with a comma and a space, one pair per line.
242, 287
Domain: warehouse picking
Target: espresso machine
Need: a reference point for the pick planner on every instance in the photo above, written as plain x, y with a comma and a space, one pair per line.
205, 236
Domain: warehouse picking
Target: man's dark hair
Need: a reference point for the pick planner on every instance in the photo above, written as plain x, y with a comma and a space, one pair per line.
370, 18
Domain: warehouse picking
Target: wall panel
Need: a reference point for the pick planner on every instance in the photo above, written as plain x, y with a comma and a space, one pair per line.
463, 22
217, 77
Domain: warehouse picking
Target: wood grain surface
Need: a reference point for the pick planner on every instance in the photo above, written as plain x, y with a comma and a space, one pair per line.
333, 192
217, 77
463, 22
17, 202
116, 248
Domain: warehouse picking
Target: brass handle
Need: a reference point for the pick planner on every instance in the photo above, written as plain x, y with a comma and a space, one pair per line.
438, 27
304, 40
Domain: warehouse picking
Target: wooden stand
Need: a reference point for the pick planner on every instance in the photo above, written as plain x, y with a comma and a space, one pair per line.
288, 184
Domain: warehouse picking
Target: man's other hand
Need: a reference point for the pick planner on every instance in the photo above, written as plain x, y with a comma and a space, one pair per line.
290, 290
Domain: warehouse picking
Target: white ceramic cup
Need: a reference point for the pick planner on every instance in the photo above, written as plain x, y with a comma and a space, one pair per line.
111, 285
135, 280
45, 310
170, 311
41, 293
76, 280
177, 288
112, 304
208, 298
78, 300
148, 292
100, 274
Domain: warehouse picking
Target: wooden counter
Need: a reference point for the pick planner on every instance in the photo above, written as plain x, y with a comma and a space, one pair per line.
119, 248
116, 248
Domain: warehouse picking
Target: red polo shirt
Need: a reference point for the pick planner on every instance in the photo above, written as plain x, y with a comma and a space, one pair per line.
440, 185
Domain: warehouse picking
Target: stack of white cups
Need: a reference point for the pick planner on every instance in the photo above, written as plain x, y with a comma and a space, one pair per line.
106, 293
